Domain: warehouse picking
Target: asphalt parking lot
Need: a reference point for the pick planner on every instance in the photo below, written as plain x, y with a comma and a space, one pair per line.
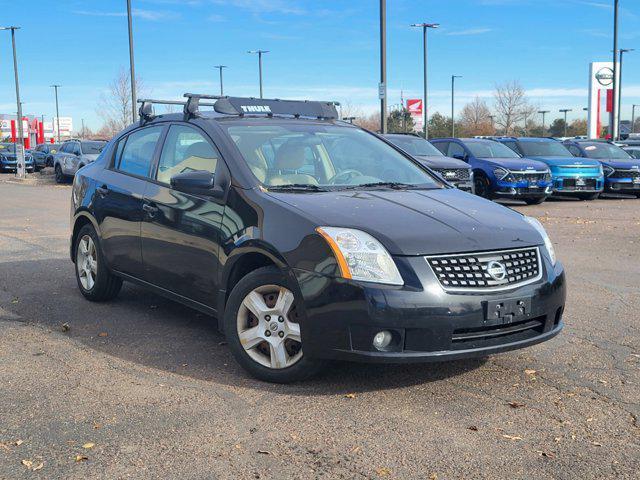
146, 388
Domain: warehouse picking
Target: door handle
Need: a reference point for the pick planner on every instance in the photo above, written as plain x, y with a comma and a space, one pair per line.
150, 209
102, 191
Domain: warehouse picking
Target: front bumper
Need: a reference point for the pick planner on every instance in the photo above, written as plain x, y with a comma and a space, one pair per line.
568, 185
522, 189
465, 186
427, 324
622, 185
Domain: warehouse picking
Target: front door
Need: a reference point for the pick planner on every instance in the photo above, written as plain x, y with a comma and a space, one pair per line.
181, 231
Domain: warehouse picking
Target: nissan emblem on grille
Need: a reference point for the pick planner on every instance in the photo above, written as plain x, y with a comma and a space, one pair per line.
483, 271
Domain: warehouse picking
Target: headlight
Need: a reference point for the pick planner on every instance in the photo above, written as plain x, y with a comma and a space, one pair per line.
500, 173
547, 176
547, 241
360, 256
608, 170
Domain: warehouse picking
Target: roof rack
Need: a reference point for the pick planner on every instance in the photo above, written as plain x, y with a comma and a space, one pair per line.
245, 106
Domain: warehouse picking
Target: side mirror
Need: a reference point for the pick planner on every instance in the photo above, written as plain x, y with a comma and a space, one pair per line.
460, 157
198, 182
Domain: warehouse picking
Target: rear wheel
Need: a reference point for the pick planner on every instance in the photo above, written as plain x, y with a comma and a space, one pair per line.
534, 201
262, 328
60, 177
95, 281
482, 185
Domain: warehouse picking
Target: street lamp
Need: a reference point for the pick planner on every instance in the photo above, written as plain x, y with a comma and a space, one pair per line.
220, 67
259, 52
134, 102
453, 121
543, 113
19, 156
382, 87
633, 118
614, 107
565, 110
622, 51
55, 87
425, 115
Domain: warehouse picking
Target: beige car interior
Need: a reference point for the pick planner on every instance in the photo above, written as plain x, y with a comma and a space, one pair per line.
199, 156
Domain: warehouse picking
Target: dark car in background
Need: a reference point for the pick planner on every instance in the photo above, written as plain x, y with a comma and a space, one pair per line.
8, 159
581, 178
498, 172
255, 213
73, 155
454, 171
43, 154
621, 170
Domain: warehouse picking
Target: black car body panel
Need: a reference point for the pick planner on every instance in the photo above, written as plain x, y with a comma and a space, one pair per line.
192, 247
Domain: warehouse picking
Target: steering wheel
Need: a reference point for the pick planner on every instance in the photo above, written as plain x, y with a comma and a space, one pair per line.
345, 176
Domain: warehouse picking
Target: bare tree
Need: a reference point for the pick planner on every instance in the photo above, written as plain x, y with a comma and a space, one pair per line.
115, 106
370, 122
511, 105
475, 118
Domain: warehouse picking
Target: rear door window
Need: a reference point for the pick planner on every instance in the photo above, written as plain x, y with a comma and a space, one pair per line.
136, 155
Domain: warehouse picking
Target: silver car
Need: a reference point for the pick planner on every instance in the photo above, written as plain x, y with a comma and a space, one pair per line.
73, 155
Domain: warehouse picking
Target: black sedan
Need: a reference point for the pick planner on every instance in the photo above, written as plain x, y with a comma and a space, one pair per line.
309, 239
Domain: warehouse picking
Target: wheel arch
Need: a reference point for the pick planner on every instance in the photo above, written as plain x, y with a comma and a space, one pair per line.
81, 219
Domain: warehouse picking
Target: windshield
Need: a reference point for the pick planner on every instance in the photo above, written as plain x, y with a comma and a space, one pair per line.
323, 157
490, 149
605, 151
414, 145
92, 148
544, 148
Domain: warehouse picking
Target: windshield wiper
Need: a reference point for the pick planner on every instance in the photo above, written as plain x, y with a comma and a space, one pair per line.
393, 185
297, 187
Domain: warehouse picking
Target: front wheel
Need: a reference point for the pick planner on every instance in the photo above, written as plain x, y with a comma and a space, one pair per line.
60, 177
481, 185
262, 328
95, 281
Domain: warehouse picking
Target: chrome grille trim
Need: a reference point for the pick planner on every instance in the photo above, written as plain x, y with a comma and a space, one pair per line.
434, 262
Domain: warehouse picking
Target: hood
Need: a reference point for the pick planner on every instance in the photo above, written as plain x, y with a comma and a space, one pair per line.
438, 161
517, 163
419, 222
560, 161
624, 164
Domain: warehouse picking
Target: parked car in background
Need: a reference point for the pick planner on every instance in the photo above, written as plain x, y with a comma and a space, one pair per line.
73, 155
8, 161
582, 178
454, 171
498, 172
43, 154
621, 170
633, 151
309, 239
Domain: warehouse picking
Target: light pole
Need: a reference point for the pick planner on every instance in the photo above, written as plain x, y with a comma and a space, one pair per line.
453, 120
382, 88
493, 129
132, 73
565, 111
259, 52
614, 107
220, 67
544, 114
20, 157
55, 87
425, 116
633, 118
622, 51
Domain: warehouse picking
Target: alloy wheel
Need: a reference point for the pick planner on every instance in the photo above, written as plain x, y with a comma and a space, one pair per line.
87, 262
268, 328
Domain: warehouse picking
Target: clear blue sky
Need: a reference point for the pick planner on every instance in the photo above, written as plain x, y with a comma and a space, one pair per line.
319, 49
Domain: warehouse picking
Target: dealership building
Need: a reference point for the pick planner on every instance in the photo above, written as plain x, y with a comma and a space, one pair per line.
35, 129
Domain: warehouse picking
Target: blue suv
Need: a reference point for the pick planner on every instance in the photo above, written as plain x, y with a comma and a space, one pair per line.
621, 170
8, 161
577, 177
498, 172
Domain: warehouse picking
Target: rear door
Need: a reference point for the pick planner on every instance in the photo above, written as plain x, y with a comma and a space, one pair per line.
181, 231
118, 203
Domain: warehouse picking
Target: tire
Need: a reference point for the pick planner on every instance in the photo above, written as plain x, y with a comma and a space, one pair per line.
588, 196
534, 201
274, 348
96, 283
60, 177
481, 185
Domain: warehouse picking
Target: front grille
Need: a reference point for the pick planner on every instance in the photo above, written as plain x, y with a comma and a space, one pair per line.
570, 184
471, 271
454, 174
529, 177
619, 173
492, 335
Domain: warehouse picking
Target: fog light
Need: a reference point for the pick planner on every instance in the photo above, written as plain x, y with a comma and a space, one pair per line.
382, 339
